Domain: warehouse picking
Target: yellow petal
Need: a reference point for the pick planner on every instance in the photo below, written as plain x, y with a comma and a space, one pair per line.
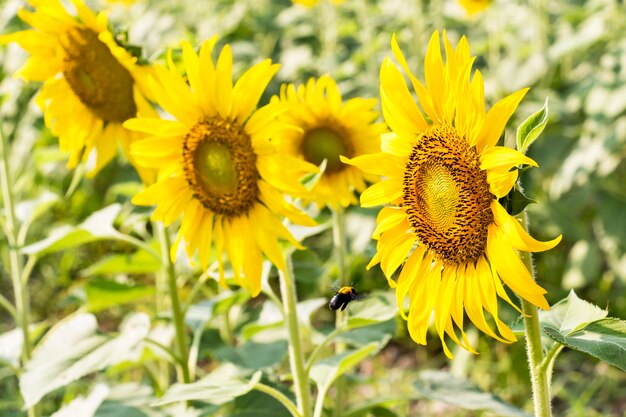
383, 164
501, 183
515, 234
381, 193
388, 218
512, 270
408, 276
496, 119
503, 159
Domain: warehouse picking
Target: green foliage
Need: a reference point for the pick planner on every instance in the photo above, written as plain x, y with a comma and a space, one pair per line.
605, 339
73, 348
441, 386
219, 387
531, 128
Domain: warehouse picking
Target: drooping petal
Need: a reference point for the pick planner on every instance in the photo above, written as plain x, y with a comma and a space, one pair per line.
511, 269
515, 234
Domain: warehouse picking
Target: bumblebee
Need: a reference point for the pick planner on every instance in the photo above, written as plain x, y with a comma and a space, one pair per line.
342, 297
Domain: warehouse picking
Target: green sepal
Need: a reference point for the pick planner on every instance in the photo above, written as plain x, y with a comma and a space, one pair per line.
531, 128
515, 202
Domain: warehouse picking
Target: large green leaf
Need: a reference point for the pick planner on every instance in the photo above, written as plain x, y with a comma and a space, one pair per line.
259, 404
222, 385
132, 400
252, 355
11, 347
605, 339
73, 349
29, 210
103, 293
570, 314
372, 309
445, 387
326, 371
98, 226
139, 262
272, 318
84, 406
531, 128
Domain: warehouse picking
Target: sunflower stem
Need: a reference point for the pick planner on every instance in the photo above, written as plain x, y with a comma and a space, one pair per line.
16, 261
534, 351
177, 313
296, 354
339, 240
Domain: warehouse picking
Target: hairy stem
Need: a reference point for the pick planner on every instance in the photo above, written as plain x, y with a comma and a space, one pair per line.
177, 313
296, 354
16, 260
534, 351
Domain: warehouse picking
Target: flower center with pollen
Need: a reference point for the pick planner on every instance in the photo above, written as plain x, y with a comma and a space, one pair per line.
101, 83
447, 196
328, 144
220, 166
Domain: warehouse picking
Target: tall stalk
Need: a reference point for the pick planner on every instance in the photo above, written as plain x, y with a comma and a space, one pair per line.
296, 353
16, 260
177, 313
339, 240
538, 374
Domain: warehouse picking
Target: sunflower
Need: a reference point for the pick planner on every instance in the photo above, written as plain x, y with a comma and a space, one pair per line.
311, 3
218, 166
327, 129
475, 6
91, 85
444, 176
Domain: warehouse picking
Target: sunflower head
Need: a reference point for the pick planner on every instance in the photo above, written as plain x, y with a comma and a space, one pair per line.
328, 129
311, 3
475, 6
91, 84
220, 170
443, 176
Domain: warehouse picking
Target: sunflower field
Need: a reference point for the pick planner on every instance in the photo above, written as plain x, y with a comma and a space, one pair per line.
308, 208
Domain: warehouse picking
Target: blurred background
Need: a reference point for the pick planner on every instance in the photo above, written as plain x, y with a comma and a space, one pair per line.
571, 52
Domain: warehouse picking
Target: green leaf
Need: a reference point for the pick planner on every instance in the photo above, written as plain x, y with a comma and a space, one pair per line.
326, 371
531, 128
372, 309
139, 262
219, 387
604, 339
367, 334
260, 404
571, 314
11, 347
307, 266
445, 387
102, 293
29, 210
73, 349
84, 406
252, 355
272, 318
130, 400
98, 226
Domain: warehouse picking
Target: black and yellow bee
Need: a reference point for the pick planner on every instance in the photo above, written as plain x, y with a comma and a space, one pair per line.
342, 297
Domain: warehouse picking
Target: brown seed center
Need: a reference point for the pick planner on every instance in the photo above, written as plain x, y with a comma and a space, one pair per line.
220, 166
324, 143
447, 196
101, 83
